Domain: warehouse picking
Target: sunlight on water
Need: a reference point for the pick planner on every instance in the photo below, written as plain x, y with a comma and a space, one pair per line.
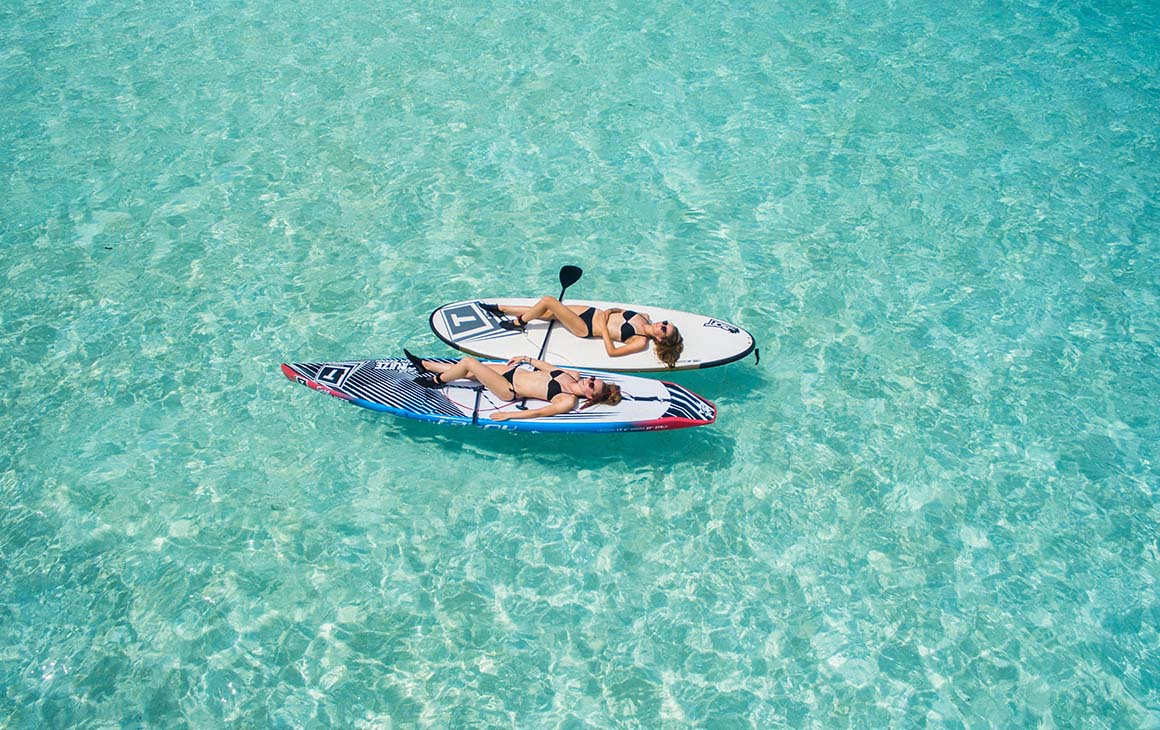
932, 503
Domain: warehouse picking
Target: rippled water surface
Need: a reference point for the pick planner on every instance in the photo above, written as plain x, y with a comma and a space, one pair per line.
932, 503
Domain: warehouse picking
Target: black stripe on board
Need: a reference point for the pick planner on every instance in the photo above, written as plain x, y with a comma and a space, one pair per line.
383, 382
684, 404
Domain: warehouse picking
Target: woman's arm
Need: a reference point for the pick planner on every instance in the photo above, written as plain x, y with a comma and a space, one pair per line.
560, 404
636, 343
537, 364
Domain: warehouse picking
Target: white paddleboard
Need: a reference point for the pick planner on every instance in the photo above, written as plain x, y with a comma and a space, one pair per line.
388, 385
466, 326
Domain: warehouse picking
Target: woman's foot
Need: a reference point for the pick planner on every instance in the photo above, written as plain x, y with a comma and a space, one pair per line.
518, 325
490, 308
416, 362
430, 380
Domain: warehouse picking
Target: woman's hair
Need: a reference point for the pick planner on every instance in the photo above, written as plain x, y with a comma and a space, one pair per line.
611, 397
670, 347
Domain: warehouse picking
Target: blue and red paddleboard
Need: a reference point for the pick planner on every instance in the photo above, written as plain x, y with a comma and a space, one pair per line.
387, 385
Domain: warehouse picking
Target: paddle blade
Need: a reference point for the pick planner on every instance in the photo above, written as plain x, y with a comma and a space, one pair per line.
569, 275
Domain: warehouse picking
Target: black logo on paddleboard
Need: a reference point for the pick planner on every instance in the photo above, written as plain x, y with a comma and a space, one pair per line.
333, 374
722, 326
467, 321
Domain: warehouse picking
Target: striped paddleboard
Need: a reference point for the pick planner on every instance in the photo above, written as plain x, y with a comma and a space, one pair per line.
387, 385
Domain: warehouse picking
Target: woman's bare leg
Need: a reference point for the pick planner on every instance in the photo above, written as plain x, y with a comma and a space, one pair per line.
489, 376
549, 308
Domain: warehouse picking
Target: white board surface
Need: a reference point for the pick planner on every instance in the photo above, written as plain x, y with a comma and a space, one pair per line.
467, 327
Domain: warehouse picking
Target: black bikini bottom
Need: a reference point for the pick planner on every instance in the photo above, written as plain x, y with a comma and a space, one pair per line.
586, 317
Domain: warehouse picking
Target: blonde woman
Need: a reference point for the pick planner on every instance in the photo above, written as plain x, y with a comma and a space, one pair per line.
521, 377
632, 330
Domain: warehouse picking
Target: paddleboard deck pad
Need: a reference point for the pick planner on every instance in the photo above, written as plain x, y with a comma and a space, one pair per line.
468, 327
387, 385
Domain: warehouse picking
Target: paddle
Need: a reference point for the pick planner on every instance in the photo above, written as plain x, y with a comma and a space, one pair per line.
569, 275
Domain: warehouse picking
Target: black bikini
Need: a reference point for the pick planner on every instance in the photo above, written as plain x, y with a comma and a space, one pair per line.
586, 318
510, 376
554, 388
626, 329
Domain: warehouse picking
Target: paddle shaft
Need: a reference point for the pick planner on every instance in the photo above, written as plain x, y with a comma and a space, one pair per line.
548, 332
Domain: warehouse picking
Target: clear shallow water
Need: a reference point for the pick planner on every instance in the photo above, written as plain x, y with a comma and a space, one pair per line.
932, 503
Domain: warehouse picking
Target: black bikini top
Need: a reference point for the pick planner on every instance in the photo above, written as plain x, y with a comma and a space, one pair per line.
554, 387
626, 329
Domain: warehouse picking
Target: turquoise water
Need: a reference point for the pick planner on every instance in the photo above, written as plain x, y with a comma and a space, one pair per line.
933, 503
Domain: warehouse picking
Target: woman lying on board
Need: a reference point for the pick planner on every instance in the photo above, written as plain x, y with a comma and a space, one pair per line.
521, 377
633, 329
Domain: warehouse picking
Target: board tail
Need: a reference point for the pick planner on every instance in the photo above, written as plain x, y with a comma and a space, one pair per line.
295, 375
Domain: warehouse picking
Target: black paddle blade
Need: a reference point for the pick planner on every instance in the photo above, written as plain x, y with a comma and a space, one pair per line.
569, 275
